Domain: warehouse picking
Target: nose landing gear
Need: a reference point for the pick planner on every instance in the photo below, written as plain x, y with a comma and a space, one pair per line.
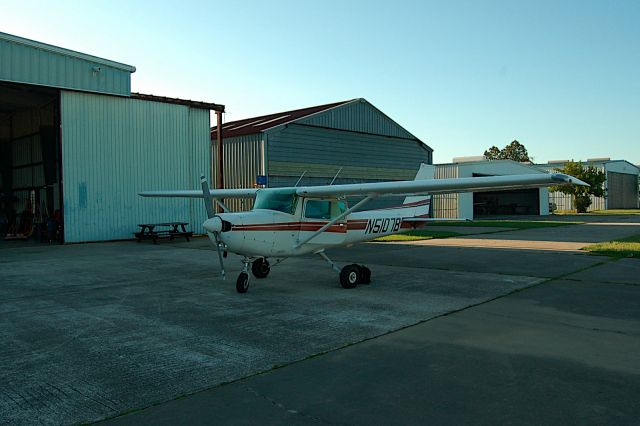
260, 268
242, 283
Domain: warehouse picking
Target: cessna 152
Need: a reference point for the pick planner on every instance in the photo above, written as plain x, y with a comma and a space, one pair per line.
293, 221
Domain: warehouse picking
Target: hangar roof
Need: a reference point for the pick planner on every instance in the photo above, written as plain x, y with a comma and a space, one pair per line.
190, 103
249, 126
354, 115
621, 166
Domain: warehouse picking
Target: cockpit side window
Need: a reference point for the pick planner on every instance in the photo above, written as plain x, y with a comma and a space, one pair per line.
324, 209
318, 209
283, 201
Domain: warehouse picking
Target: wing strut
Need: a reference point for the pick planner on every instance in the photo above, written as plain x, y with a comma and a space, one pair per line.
333, 221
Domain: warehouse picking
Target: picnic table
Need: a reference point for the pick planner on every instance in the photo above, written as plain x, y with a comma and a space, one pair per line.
149, 231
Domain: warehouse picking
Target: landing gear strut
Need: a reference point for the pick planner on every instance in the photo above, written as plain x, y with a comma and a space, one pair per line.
350, 275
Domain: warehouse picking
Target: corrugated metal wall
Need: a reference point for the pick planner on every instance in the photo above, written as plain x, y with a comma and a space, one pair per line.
23, 62
299, 144
358, 116
115, 147
321, 153
445, 205
243, 161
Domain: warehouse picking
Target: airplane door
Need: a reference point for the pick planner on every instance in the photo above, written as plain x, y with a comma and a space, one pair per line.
316, 214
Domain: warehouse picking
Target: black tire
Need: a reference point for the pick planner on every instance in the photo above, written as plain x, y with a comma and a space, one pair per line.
365, 275
350, 276
242, 284
260, 268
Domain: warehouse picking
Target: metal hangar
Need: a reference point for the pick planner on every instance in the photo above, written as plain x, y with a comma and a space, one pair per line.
350, 141
77, 145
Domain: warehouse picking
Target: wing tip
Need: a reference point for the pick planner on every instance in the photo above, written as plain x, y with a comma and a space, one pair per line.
563, 178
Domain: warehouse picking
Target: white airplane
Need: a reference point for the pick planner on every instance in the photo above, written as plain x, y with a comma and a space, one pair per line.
293, 221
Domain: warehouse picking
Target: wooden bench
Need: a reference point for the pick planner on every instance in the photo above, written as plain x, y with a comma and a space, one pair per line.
148, 231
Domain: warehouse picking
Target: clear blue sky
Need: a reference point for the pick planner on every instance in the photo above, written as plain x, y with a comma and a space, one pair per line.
562, 77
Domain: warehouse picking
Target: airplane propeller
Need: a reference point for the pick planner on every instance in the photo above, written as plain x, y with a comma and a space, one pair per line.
214, 223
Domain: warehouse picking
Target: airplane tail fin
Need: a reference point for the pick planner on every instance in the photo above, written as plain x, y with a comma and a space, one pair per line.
420, 204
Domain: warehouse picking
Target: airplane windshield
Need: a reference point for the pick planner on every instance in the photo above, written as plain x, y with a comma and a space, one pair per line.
283, 200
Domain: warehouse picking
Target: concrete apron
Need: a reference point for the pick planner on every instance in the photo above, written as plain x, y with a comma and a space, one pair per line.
95, 330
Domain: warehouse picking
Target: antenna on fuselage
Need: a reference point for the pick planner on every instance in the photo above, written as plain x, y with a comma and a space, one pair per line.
300, 178
334, 178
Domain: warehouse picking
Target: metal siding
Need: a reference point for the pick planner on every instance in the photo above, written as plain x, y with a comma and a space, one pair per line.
112, 148
27, 64
359, 116
242, 163
445, 205
323, 146
322, 152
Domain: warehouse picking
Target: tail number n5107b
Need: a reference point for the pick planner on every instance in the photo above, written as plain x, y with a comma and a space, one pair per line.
382, 225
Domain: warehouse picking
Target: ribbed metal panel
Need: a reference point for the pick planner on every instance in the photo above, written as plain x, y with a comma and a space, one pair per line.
25, 61
242, 163
300, 144
445, 205
21, 151
359, 116
115, 147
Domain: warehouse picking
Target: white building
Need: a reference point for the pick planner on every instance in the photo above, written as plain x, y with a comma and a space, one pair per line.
495, 203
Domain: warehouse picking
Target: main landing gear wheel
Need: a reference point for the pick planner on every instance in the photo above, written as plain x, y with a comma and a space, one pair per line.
260, 268
242, 284
365, 275
350, 276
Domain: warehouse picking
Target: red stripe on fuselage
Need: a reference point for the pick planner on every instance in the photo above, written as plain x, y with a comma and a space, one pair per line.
290, 226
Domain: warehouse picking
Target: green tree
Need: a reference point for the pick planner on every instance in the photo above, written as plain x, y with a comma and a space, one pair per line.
514, 151
581, 195
492, 153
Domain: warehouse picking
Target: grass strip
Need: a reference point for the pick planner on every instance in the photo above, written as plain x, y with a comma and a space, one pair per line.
515, 224
598, 212
616, 211
417, 235
624, 247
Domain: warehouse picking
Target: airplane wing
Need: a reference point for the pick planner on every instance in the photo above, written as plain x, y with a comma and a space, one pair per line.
440, 186
197, 193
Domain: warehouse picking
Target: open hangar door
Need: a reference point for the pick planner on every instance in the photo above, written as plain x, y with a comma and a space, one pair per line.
30, 171
513, 202
516, 202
